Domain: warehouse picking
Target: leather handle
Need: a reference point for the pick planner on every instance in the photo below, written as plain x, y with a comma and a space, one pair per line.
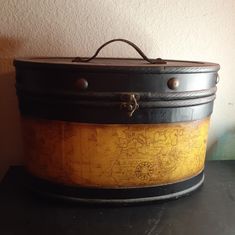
141, 53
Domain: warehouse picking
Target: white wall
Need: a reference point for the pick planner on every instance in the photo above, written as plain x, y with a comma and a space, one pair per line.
174, 29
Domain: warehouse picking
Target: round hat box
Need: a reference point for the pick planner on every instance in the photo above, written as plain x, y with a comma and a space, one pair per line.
115, 129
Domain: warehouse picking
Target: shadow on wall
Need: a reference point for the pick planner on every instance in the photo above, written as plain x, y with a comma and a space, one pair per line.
223, 148
10, 140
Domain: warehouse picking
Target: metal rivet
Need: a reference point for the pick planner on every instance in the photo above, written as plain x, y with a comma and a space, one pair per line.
173, 83
82, 84
217, 79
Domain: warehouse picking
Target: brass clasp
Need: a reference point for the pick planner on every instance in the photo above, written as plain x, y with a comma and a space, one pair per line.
130, 104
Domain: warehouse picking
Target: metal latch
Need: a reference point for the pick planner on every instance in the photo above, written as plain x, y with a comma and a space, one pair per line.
130, 103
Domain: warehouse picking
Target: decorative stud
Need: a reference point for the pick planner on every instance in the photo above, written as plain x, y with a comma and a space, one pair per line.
82, 84
173, 83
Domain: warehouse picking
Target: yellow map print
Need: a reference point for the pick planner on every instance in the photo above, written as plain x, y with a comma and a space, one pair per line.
115, 155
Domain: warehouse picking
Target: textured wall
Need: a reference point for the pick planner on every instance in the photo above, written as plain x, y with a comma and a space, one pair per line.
182, 29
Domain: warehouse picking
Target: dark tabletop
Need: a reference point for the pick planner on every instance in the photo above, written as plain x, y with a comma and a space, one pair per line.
210, 210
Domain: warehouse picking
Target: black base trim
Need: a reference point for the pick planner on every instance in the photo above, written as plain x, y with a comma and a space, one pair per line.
116, 195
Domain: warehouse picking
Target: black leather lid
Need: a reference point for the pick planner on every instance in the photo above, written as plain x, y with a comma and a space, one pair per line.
119, 64
115, 90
